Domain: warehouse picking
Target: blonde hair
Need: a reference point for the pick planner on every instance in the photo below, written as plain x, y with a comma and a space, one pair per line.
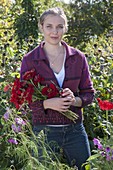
53, 11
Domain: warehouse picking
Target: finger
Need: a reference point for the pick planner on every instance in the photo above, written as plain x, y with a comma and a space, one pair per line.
66, 90
67, 104
65, 109
65, 93
68, 93
67, 99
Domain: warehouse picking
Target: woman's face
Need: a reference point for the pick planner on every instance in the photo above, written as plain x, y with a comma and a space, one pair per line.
53, 29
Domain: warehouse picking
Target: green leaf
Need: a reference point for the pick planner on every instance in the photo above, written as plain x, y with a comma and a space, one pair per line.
93, 157
88, 167
2, 79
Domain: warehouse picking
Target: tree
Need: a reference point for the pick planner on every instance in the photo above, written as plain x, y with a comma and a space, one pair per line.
26, 23
87, 19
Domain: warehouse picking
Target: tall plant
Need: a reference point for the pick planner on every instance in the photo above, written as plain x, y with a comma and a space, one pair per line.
20, 147
99, 53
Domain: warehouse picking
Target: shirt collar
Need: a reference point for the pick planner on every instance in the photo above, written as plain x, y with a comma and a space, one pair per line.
39, 53
70, 51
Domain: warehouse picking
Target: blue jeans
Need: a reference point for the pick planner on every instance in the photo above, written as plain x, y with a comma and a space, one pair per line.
72, 139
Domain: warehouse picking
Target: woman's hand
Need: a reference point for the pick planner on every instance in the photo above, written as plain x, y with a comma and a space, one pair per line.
62, 103
75, 101
69, 94
58, 103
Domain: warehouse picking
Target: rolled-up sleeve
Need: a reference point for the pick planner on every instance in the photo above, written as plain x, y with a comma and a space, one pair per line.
86, 90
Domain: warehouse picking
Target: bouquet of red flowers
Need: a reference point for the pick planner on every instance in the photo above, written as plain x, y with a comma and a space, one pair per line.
30, 89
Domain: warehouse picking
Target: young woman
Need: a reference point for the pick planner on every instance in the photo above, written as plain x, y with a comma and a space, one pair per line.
67, 67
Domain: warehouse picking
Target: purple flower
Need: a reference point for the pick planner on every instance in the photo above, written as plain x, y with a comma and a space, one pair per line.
20, 121
108, 157
103, 153
97, 143
6, 115
100, 147
14, 141
16, 128
108, 149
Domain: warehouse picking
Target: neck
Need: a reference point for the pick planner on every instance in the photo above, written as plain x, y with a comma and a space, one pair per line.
49, 48
54, 52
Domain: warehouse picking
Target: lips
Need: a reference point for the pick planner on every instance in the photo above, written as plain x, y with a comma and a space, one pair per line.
54, 38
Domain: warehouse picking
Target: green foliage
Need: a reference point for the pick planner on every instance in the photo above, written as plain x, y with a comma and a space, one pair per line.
26, 21
90, 29
102, 158
87, 19
20, 147
99, 53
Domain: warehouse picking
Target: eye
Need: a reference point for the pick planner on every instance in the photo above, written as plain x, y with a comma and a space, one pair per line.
48, 26
60, 26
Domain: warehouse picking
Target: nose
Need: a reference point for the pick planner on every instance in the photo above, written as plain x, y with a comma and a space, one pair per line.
55, 30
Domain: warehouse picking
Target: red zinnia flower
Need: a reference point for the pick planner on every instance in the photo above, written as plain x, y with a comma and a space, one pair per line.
29, 74
105, 104
28, 93
21, 93
50, 91
38, 79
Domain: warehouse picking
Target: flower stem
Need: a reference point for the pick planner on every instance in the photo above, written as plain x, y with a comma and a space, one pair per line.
107, 118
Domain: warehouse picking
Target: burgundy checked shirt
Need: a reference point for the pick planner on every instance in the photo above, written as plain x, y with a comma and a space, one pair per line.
77, 78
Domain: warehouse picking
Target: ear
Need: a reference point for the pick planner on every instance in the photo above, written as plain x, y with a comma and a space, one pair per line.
40, 28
